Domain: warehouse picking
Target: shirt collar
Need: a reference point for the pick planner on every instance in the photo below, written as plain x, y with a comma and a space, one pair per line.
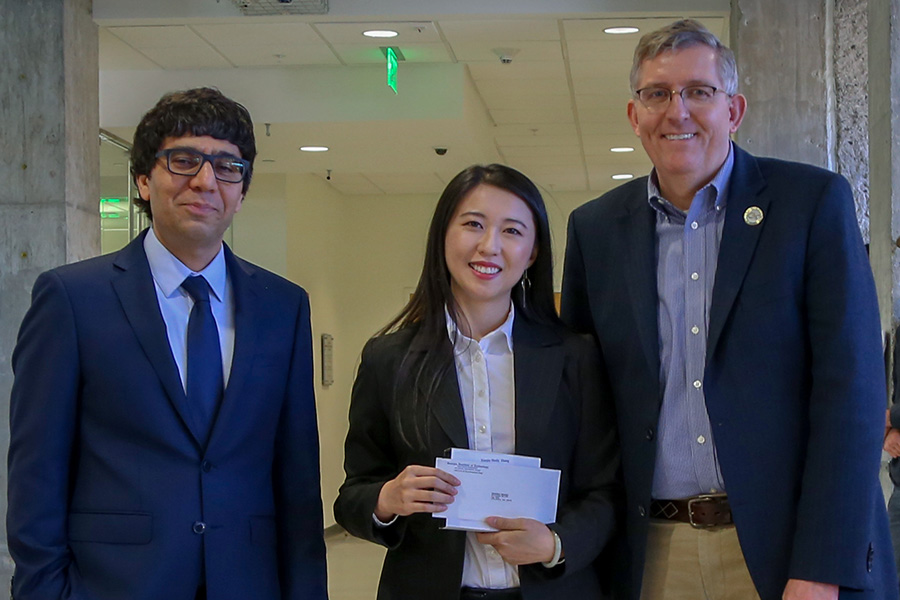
495, 342
716, 189
169, 272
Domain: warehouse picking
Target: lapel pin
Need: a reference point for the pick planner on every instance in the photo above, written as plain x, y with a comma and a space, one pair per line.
753, 216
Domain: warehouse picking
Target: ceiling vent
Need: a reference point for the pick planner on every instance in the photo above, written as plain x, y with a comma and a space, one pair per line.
256, 8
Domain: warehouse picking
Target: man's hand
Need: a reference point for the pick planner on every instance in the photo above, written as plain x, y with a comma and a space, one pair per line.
799, 589
892, 443
520, 541
416, 489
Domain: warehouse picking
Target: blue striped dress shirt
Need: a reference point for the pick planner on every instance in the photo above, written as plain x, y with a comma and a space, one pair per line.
687, 255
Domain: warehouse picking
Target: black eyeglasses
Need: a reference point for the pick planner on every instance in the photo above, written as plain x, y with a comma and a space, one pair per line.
188, 162
657, 99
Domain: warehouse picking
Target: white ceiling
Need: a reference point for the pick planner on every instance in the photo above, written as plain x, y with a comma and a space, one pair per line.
553, 113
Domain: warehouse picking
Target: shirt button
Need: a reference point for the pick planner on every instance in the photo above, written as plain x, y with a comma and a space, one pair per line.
698, 384
694, 225
477, 358
695, 276
481, 393
701, 440
198, 527
206, 466
713, 491
695, 330
482, 429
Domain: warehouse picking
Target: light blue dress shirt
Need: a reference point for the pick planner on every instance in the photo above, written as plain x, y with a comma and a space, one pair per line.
175, 304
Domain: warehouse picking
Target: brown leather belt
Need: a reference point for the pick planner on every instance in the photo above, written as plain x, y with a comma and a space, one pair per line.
707, 510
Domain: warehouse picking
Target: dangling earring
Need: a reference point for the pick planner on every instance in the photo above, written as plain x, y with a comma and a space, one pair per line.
525, 283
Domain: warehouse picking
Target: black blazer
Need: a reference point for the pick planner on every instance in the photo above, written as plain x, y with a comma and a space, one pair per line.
561, 416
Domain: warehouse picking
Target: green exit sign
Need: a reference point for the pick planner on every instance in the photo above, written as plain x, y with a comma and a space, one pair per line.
391, 69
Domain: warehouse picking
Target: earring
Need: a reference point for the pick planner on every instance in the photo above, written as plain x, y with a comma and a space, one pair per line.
525, 283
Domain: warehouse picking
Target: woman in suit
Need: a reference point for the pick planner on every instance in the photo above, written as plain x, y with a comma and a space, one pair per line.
479, 360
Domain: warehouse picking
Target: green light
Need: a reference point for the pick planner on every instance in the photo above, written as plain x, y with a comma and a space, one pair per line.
111, 216
391, 69
114, 200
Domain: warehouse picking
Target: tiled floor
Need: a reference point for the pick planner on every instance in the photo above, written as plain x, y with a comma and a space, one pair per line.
353, 567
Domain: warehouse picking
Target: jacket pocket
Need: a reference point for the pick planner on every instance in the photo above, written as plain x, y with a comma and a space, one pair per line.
111, 528
262, 531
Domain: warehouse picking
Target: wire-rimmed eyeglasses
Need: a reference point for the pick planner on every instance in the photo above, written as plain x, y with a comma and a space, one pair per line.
656, 99
188, 162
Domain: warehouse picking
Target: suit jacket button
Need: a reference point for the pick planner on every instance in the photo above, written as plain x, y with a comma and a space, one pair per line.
199, 527
206, 466
641, 511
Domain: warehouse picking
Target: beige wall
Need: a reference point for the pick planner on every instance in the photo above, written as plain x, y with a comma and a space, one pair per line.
359, 257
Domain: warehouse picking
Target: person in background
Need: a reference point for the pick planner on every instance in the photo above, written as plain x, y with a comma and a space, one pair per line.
163, 435
735, 312
478, 359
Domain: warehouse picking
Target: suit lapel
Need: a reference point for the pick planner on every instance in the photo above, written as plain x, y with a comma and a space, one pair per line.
246, 338
738, 242
133, 283
639, 229
539, 359
446, 405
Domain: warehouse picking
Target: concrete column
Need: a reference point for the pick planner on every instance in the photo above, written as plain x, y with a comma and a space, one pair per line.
884, 152
781, 54
49, 165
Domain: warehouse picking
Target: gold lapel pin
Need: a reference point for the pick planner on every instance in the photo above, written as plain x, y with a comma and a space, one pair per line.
753, 216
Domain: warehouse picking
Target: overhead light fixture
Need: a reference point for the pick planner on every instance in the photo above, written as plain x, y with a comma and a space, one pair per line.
620, 30
619, 176
380, 33
314, 148
622, 149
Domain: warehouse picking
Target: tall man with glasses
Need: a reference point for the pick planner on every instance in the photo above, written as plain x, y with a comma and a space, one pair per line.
734, 306
163, 435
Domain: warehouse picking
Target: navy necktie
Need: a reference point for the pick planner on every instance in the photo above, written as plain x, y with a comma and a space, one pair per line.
204, 355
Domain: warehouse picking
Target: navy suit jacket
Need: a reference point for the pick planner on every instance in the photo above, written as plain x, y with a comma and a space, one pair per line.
111, 494
794, 379
560, 417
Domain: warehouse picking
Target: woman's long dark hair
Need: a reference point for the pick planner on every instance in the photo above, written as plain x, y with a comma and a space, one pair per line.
533, 300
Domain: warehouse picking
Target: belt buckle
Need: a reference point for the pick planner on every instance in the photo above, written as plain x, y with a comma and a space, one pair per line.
696, 500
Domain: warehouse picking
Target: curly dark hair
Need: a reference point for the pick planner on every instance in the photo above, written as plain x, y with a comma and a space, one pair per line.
197, 112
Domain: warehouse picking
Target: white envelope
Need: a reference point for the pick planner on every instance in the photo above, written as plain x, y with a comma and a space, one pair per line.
499, 485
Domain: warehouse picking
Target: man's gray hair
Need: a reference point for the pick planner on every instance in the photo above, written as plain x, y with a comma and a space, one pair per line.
679, 35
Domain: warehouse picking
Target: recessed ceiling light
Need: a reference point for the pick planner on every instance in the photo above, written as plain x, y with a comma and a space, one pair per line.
380, 33
623, 176
620, 30
622, 149
314, 148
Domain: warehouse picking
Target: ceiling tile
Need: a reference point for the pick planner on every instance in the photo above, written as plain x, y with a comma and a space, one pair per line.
500, 30
570, 178
407, 183
181, 57
258, 34
117, 55
409, 32
517, 70
158, 36
507, 141
502, 116
534, 129
351, 184
504, 99
259, 55
483, 50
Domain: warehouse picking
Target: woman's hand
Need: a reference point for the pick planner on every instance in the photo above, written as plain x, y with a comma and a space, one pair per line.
520, 541
416, 489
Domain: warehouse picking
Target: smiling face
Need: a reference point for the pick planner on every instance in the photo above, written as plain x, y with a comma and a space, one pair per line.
490, 241
191, 213
687, 147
